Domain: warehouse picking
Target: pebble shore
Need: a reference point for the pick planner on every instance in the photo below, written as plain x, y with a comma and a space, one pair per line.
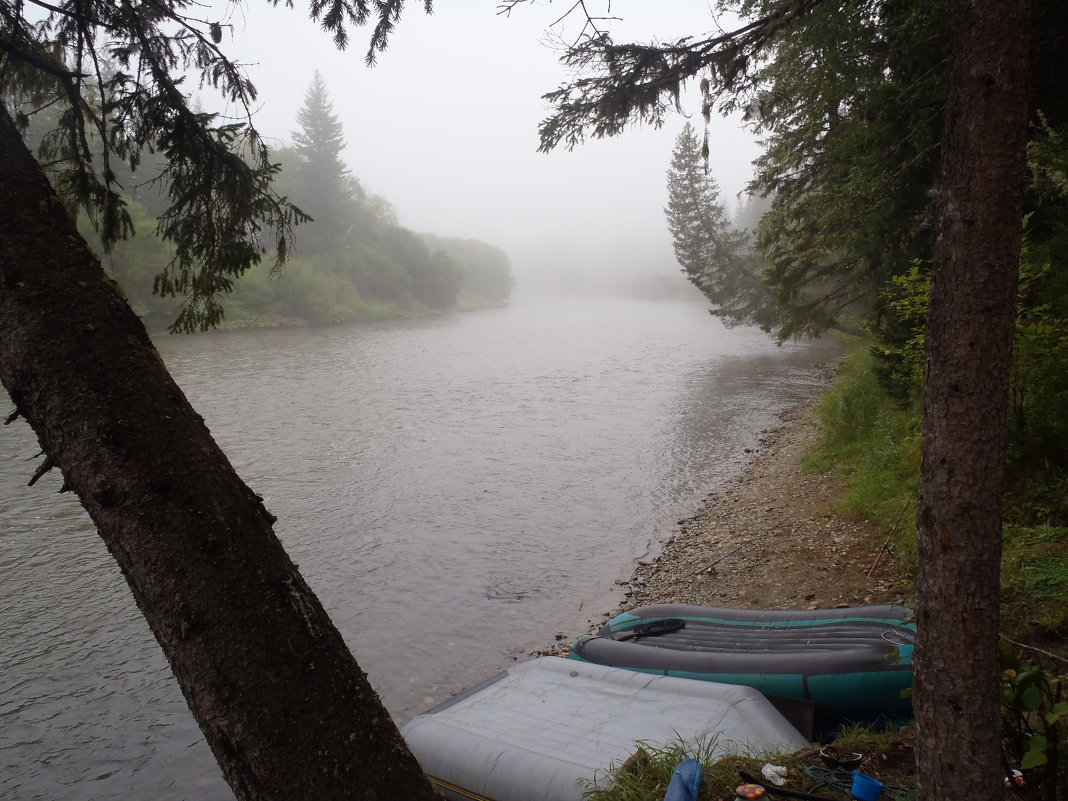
777, 538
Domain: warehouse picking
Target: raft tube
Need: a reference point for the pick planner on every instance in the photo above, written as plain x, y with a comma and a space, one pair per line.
853, 664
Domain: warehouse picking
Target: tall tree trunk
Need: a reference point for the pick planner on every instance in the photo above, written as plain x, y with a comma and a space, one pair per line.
280, 699
969, 350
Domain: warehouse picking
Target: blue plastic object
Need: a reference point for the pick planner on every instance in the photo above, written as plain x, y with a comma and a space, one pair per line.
865, 788
685, 781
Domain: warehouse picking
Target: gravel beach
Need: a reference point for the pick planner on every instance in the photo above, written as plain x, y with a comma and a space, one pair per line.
777, 538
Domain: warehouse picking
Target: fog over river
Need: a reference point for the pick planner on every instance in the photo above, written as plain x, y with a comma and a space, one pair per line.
456, 489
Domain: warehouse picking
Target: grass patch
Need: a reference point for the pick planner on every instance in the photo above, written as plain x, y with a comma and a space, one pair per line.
875, 442
1034, 584
645, 775
887, 756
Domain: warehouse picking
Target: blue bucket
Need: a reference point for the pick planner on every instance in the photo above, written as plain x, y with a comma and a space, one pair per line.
865, 788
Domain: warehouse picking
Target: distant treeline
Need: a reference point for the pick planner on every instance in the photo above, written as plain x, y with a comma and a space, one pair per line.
379, 270
352, 261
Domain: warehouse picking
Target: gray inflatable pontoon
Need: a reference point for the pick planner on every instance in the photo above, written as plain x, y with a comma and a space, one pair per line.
851, 663
541, 730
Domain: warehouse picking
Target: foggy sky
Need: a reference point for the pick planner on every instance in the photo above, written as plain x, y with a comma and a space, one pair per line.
445, 127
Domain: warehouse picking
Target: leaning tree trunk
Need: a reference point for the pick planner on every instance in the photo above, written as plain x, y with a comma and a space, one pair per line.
969, 351
280, 699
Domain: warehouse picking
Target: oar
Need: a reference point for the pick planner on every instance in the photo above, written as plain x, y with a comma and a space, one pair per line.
666, 626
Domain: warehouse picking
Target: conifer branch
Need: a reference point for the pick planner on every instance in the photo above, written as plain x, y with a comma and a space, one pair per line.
117, 71
27, 54
83, 20
635, 83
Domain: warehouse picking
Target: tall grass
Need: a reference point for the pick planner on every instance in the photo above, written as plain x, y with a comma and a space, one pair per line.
1034, 584
874, 441
644, 776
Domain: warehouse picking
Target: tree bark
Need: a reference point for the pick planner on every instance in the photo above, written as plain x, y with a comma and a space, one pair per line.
283, 704
969, 333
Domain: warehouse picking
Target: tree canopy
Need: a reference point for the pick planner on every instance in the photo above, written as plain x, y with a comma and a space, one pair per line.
117, 74
847, 100
889, 146
349, 262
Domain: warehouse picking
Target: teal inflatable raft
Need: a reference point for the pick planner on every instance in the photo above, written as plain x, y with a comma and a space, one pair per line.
852, 664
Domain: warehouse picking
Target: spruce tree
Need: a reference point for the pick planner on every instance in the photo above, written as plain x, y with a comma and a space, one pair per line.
325, 187
713, 255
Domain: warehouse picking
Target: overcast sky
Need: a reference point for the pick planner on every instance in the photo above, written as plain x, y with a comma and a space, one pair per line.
446, 128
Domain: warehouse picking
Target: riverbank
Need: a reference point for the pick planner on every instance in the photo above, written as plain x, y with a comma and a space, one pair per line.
369, 313
777, 538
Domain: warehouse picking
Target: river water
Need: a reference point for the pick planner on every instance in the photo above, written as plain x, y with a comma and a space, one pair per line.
457, 490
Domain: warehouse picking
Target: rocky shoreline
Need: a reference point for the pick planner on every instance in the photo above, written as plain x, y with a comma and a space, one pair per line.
777, 538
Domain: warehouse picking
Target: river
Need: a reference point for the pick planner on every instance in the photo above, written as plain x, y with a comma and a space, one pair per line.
457, 489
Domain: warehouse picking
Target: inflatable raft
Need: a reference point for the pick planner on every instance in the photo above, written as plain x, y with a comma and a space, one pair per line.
853, 664
540, 731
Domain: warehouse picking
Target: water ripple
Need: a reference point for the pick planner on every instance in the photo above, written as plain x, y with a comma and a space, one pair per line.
456, 490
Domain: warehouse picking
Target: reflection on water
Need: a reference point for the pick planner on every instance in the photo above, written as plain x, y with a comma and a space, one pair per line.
456, 489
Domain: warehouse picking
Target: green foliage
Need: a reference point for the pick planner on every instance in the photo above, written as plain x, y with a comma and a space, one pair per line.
114, 107
316, 296
851, 113
375, 274
646, 773
109, 77
321, 137
847, 98
875, 441
353, 263
619, 85
1034, 707
134, 263
863, 739
900, 352
220, 206
367, 280
434, 278
486, 270
1048, 159
644, 776
1038, 410
1034, 581
749, 212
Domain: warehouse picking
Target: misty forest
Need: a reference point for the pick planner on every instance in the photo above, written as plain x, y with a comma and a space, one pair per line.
352, 260
464, 470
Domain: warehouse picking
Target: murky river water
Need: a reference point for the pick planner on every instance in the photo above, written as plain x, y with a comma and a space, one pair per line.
457, 490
